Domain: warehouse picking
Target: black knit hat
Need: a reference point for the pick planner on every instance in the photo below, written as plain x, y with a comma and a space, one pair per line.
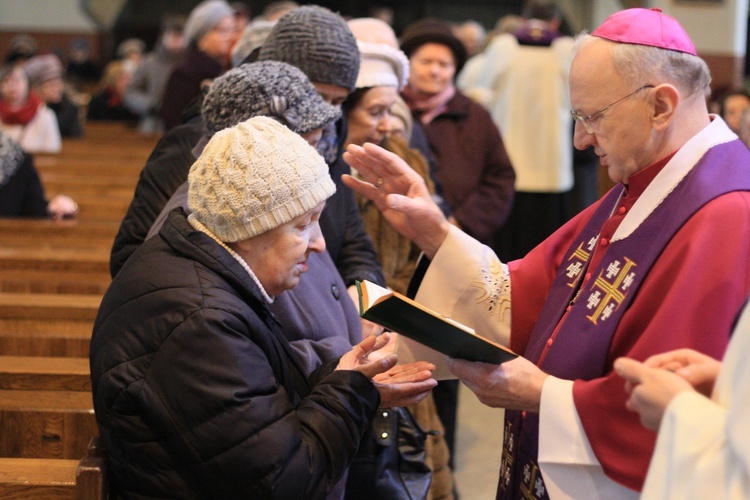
318, 42
433, 30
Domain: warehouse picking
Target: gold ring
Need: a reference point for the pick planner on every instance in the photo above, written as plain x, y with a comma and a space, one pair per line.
379, 182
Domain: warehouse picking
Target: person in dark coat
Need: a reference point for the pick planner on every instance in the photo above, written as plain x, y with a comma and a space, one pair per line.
196, 391
209, 31
21, 190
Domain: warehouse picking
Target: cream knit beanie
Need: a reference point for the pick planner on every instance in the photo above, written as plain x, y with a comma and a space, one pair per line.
254, 177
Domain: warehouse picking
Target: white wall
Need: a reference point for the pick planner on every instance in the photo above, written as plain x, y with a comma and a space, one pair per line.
44, 15
715, 28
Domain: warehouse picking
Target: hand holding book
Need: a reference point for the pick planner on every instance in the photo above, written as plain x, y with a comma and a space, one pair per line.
426, 332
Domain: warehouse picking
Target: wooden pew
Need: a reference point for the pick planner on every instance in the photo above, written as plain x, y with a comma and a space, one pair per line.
24, 478
59, 479
46, 324
55, 259
41, 373
46, 424
68, 340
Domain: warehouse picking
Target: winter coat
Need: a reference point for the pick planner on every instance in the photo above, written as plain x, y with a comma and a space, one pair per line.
198, 394
473, 167
184, 84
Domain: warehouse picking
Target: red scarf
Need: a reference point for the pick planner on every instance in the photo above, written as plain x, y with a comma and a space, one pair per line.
428, 107
21, 115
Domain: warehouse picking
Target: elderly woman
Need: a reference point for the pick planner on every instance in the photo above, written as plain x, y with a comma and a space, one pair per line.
23, 115
196, 390
209, 31
473, 167
383, 72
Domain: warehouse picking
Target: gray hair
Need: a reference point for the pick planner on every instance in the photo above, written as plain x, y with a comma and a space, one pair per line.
643, 64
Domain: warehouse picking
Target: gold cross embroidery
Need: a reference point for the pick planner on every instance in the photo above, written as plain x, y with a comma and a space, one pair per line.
613, 291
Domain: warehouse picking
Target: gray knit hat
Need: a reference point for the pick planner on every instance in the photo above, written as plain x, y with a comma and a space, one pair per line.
318, 42
205, 16
254, 177
267, 88
42, 68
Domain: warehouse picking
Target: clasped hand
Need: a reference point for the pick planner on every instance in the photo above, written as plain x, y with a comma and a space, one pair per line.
402, 385
653, 384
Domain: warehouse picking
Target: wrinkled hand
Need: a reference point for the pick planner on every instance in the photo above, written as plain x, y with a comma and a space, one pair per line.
700, 370
399, 193
650, 389
62, 206
403, 385
514, 385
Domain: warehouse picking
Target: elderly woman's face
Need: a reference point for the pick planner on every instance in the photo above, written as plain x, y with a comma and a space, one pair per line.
369, 120
279, 257
217, 42
432, 68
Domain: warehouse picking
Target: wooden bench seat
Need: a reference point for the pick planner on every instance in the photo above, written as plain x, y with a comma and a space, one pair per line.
25, 478
56, 478
40, 373
66, 233
42, 281
47, 305
46, 424
52, 339
54, 259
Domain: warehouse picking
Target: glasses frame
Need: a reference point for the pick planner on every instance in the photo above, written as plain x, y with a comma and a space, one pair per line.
586, 120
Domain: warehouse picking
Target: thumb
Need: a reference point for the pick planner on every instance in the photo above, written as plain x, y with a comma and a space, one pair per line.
629, 369
382, 365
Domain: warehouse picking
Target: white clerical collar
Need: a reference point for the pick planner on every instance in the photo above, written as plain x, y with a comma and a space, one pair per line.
715, 133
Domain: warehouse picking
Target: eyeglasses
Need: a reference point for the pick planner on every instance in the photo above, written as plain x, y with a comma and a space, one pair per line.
587, 121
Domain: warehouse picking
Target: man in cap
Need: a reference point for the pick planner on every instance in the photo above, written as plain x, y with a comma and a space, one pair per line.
660, 262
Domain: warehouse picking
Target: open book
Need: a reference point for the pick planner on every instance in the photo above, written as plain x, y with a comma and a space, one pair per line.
426, 335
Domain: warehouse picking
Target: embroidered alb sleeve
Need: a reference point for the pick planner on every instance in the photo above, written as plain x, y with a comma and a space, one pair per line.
467, 282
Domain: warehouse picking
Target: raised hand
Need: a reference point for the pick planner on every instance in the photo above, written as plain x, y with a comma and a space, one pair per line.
399, 193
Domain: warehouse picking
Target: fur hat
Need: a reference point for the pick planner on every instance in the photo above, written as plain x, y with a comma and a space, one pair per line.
433, 30
205, 16
268, 88
254, 177
39, 69
318, 42
381, 65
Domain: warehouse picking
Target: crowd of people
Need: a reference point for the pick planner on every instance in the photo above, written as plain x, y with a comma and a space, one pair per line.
302, 152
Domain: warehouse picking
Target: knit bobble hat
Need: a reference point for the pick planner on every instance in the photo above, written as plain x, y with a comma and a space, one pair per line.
254, 177
204, 17
268, 88
318, 42
433, 30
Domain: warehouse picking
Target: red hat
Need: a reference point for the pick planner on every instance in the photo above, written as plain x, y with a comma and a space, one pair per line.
646, 27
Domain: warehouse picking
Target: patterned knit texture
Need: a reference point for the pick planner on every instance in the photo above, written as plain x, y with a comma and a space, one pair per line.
267, 88
254, 177
318, 42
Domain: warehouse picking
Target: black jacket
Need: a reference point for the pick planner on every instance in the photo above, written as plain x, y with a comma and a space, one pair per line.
198, 394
